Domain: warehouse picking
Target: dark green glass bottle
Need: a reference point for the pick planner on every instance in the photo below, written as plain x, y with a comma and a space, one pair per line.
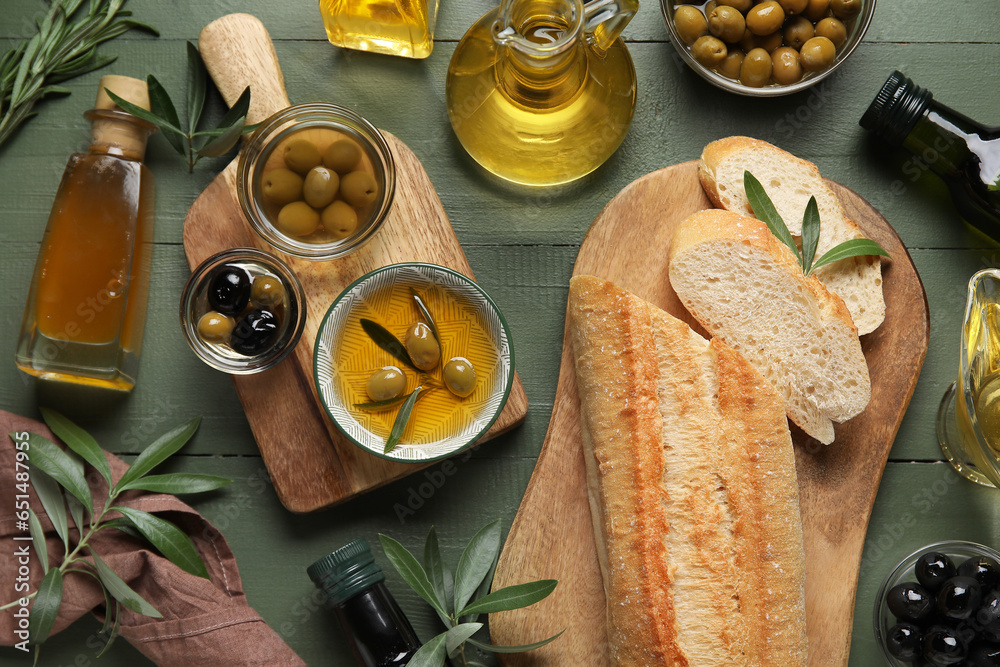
964, 153
378, 631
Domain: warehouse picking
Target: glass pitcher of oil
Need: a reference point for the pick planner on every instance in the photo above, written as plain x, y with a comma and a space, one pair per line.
394, 27
541, 92
969, 417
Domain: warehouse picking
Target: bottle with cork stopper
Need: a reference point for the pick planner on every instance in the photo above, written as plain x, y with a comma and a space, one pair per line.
86, 306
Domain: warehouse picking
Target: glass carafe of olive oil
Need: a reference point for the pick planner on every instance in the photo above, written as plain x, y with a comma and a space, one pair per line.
86, 306
395, 27
541, 92
969, 418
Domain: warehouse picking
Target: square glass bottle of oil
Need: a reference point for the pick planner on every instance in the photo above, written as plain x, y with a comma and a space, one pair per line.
396, 27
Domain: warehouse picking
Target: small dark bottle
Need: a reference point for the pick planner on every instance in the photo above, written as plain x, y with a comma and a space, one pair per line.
964, 153
354, 584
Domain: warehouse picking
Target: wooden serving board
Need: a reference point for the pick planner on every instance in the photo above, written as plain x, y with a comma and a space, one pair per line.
552, 536
312, 465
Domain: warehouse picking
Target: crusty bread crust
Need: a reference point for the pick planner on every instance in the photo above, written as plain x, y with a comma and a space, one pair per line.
857, 280
691, 477
744, 286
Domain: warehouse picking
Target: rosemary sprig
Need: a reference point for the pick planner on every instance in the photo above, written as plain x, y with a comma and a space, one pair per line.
61, 49
764, 209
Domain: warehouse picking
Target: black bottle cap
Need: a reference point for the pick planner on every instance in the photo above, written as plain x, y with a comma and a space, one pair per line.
896, 109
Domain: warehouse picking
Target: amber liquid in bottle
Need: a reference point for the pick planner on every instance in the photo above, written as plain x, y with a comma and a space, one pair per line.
86, 308
395, 27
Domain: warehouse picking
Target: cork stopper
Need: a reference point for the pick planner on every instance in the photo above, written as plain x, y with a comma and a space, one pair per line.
125, 87
113, 132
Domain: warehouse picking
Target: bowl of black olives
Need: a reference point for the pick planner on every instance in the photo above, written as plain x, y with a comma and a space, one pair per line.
242, 311
765, 48
941, 606
316, 181
413, 362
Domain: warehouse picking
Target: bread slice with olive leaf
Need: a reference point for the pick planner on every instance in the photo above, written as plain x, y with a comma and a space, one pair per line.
745, 287
692, 486
789, 182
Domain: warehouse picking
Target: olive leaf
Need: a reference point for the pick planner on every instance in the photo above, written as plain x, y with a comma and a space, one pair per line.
46, 606
433, 582
764, 209
61, 466
156, 453
402, 419
121, 591
177, 483
38, 539
426, 314
50, 494
78, 440
182, 136
375, 406
388, 342
169, 540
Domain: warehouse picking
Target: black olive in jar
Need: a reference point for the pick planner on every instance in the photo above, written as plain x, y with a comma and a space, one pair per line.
229, 290
255, 332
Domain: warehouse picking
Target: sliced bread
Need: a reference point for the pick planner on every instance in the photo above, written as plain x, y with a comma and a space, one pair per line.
789, 182
692, 486
745, 286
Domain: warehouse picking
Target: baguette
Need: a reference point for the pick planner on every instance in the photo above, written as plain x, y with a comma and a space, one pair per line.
789, 182
691, 480
746, 287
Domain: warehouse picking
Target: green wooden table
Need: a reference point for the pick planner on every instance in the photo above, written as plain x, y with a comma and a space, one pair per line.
521, 244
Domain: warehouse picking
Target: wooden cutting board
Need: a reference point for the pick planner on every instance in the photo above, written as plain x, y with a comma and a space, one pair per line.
552, 535
311, 464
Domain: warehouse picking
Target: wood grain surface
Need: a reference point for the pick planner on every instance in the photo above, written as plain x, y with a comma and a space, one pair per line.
552, 535
311, 463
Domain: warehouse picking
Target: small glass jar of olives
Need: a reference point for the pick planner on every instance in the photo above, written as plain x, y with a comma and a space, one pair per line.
316, 181
242, 311
764, 48
941, 606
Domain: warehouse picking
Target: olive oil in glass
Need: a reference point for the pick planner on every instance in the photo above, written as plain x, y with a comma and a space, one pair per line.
395, 27
965, 154
86, 307
541, 92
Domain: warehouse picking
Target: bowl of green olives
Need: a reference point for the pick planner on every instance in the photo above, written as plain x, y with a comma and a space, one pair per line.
316, 181
941, 606
766, 48
413, 362
242, 311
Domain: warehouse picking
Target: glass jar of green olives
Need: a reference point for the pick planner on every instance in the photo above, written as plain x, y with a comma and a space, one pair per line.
316, 181
769, 47
242, 311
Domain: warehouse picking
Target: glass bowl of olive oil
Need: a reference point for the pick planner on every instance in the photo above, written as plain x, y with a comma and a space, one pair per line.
389, 319
316, 181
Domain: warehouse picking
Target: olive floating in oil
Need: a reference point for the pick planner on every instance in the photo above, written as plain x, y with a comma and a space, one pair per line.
255, 332
386, 383
422, 346
229, 291
215, 327
460, 376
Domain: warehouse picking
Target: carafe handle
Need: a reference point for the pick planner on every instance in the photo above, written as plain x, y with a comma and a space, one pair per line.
605, 20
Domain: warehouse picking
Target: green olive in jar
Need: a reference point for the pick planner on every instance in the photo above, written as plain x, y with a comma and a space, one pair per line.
298, 219
215, 327
339, 219
845, 9
267, 291
386, 383
742, 6
834, 30
727, 24
817, 9
756, 68
281, 186
690, 23
817, 54
422, 346
785, 66
301, 155
798, 31
765, 18
709, 6
320, 187
730, 65
460, 376
358, 188
342, 156
709, 51
793, 7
